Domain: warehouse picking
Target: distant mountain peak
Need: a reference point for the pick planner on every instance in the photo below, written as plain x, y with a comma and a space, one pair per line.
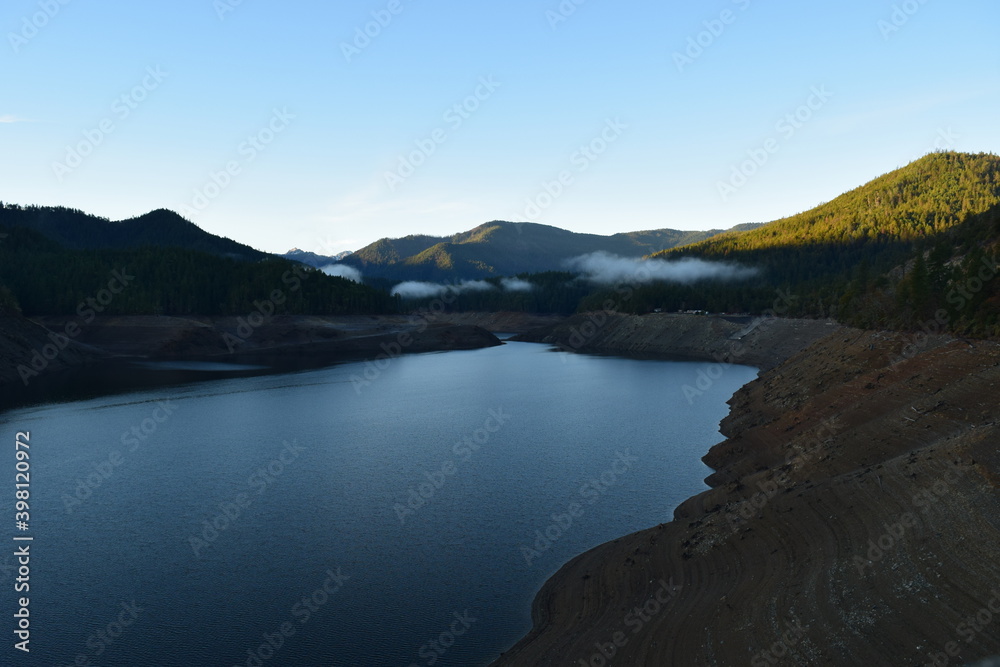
504, 248
314, 259
160, 228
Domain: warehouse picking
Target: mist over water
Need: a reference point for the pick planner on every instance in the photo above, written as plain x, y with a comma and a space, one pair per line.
370, 519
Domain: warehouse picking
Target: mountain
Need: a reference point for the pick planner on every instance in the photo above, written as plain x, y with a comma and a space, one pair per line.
925, 198
901, 251
314, 260
501, 248
62, 262
161, 228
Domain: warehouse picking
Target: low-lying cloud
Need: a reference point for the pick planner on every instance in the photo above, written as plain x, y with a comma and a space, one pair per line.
516, 285
607, 269
342, 271
413, 289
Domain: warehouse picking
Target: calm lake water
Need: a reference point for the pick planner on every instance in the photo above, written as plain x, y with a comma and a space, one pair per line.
192, 525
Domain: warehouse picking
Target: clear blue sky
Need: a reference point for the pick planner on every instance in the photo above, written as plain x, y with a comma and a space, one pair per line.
677, 127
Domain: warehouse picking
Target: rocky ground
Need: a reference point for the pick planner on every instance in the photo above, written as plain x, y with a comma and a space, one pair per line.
854, 519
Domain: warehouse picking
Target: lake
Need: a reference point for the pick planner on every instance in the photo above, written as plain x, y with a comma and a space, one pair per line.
353, 515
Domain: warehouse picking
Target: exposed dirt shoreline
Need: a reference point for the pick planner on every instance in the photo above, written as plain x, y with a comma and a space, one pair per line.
753, 341
854, 516
48, 359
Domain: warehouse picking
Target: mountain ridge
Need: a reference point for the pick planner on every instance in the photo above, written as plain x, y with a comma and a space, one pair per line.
499, 247
77, 230
313, 259
928, 196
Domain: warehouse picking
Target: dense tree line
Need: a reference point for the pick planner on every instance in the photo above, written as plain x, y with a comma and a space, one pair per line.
923, 199
914, 249
45, 278
73, 228
948, 283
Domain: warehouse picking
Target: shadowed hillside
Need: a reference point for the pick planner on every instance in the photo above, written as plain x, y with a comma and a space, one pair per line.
160, 228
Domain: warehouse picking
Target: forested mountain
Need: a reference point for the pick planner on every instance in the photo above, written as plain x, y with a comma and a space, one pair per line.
949, 283
40, 276
503, 248
914, 249
313, 259
888, 253
924, 198
160, 228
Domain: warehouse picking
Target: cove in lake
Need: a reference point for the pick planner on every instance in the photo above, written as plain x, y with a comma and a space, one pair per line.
304, 519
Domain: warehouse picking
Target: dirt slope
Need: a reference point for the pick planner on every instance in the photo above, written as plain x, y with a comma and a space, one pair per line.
854, 520
754, 341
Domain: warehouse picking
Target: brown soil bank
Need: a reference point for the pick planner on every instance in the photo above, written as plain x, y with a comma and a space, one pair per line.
761, 342
20, 338
854, 519
60, 358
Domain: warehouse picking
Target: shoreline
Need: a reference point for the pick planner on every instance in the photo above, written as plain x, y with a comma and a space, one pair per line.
762, 342
119, 354
842, 446
856, 496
